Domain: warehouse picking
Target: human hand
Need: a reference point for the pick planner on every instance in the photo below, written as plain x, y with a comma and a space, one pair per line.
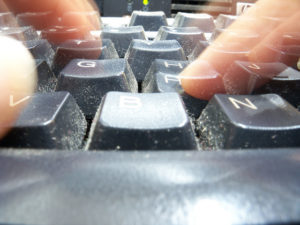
17, 73
271, 28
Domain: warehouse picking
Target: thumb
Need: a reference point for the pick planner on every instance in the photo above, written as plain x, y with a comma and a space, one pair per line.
17, 80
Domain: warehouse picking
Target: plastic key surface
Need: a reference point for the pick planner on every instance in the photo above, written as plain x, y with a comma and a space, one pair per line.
108, 50
41, 49
199, 48
286, 84
163, 76
186, 36
7, 19
75, 49
141, 54
46, 78
122, 37
249, 121
89, 80
20, 33
127, 121
75, 187
54, 118
151, 21
203, 21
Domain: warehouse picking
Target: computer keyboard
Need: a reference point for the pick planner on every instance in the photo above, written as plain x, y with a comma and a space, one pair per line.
114, 139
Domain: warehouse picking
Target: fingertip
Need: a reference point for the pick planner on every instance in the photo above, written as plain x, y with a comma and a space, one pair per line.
201, 80
17, 80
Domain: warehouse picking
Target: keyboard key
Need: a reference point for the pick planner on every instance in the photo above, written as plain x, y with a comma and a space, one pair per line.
7, 19
286, 84
89, 80
41, 49
141, 54
247, 121
244, 77
151, 21
203, 21
92, 17
122, 37
108, 50
39, 20
75, 49
50, 121
20, 33
142, 122
186, 36
163, 77
58, 34
200, 47
46, 79
223, 21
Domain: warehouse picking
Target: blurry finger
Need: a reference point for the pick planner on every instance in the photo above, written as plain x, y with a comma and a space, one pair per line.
265, 16
16, 82
49, 14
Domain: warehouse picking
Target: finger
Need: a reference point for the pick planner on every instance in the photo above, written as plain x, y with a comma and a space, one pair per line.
265, 16
54, 11
281, 45
16, 82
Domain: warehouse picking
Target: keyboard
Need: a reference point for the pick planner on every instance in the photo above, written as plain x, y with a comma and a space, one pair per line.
112, 138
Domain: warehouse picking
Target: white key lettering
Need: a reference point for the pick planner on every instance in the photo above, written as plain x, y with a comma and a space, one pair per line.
130, 102
87, 64
248, 103
167, 65
172, 78
13, 103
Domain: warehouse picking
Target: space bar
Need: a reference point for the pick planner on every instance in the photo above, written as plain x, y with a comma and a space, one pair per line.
221, 187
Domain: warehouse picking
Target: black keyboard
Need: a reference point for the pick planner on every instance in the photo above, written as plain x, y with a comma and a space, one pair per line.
114, 139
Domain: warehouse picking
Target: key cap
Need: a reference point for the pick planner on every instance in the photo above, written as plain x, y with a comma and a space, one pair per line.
223, 21
39, 20
122, 37
141, 122
89, 80
287, 54
248, 121
41, 49
46, 78
186, 36
163, 76
244, 77
58, 34
20, 33
108, 50
7, 19
75, 49
54, 118
141, 54
151, 21
203, 21
200, 47
286, 84
92, 17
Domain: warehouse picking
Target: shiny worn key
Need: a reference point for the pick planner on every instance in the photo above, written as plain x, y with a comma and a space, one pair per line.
127, 121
